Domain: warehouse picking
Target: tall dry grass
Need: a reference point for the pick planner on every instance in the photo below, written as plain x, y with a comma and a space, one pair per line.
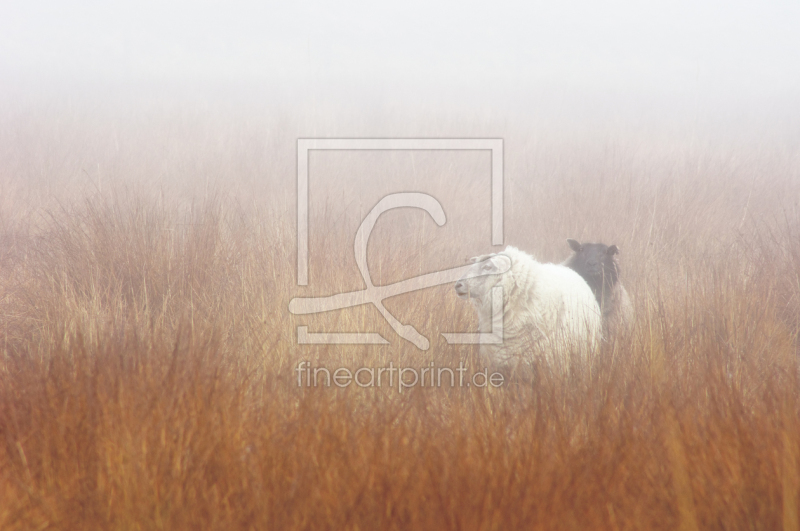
147, 377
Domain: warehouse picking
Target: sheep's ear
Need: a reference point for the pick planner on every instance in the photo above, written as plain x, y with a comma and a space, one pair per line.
612, 250
501, 262
574, 245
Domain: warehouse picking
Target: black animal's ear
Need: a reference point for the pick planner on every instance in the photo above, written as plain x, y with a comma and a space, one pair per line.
574, 245
613, 250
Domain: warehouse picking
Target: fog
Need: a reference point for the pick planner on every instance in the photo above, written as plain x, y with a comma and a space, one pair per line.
567, 60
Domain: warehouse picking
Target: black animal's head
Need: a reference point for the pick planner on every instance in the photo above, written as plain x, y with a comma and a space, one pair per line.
595, 262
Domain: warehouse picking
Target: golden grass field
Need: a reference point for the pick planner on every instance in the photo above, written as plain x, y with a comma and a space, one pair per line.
147, 373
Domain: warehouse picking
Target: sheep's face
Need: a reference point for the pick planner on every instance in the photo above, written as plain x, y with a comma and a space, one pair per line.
595, 262
485, 273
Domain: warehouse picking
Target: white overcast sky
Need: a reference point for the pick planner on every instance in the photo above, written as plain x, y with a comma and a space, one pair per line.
729, 51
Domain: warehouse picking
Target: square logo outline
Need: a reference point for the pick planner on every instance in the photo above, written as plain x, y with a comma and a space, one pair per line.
305, 145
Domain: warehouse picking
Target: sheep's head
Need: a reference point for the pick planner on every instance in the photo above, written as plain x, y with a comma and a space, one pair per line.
486, 272
595, 262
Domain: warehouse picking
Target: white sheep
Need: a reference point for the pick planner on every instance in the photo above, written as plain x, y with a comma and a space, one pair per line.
549, 312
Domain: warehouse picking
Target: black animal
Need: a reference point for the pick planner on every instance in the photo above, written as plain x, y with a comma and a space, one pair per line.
597, 263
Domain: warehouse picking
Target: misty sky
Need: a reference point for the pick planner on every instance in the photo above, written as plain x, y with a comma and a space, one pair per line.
729, 51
